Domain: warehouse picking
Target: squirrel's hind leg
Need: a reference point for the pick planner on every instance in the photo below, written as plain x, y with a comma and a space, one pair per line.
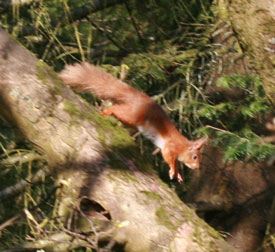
123, 113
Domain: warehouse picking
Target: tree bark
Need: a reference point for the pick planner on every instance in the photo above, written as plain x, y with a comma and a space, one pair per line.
97, 164
253, 22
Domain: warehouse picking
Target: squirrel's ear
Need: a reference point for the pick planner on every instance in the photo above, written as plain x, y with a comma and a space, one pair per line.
198, 144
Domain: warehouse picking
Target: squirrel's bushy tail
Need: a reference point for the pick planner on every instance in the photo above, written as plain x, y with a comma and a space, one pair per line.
87, 77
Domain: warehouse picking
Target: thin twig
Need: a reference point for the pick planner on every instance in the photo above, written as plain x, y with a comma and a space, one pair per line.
108, 36
22, 212
212, 127
18, 187
135, 24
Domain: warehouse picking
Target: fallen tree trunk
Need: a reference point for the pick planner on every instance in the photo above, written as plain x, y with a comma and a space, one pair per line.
116, 194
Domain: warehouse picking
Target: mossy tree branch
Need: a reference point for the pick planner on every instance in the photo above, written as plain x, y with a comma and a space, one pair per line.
97, 163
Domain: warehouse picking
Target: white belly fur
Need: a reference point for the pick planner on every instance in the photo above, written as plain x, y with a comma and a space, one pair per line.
152, 136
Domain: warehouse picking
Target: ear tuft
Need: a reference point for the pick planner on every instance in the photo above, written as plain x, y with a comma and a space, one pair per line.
198, 144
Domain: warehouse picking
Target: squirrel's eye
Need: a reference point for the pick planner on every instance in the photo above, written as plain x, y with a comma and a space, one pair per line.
195, 157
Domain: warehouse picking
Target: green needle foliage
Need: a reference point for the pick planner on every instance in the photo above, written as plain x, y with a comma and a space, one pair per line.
242, 141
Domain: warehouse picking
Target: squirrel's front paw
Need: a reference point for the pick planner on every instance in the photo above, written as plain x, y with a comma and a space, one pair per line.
172, 174
179, 177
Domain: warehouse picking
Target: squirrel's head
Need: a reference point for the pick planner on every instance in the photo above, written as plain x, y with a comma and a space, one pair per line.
191, 156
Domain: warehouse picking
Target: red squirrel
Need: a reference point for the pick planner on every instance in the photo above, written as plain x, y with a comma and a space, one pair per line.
137, 110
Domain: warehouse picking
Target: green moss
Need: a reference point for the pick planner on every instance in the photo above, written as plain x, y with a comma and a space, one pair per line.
71, 108
163, 218
40, 70
117, 141
47, 74
122, 175
221, 6
152, 196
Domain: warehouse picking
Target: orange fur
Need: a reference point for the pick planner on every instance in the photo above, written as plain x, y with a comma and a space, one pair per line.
136, 109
